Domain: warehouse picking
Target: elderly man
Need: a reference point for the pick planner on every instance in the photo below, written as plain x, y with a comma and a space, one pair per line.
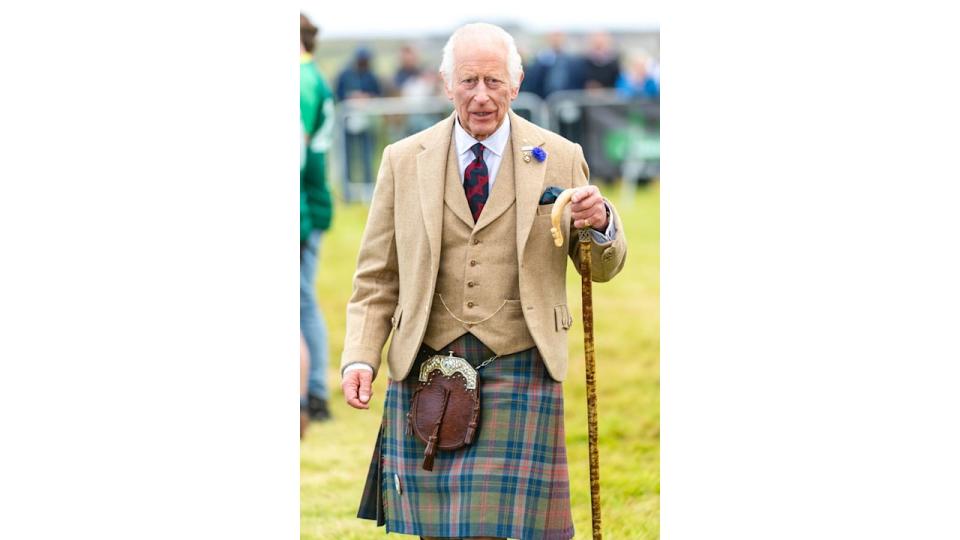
457, 258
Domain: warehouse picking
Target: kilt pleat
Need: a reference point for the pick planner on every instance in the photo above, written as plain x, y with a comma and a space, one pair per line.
511, 482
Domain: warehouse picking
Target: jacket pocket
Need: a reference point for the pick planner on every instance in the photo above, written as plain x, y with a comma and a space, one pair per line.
395, 320
561, 317
545, 209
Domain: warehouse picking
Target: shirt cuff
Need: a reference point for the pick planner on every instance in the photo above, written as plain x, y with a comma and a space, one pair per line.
354, 367
608, 235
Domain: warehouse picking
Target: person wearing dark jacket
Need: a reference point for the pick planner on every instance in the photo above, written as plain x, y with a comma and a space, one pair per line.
601, 62
357, 82
554, 69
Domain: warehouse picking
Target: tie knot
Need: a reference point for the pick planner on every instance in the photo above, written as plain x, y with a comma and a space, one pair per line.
477, 150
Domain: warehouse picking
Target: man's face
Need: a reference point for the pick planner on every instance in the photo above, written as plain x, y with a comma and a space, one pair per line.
481, 91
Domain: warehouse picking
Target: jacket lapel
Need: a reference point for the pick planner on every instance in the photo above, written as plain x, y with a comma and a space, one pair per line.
431, 167
528, 177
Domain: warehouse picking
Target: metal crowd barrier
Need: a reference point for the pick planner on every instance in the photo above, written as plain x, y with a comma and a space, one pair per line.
620, 137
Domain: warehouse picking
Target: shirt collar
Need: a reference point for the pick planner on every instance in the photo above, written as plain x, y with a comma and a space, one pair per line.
495, 143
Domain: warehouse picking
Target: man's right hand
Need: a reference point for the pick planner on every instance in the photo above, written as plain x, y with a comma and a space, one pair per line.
357, 390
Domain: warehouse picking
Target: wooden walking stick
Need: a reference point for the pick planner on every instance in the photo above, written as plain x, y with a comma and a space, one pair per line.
587, 289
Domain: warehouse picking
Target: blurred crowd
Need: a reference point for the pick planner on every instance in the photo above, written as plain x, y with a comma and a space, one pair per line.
591, 68
599, 64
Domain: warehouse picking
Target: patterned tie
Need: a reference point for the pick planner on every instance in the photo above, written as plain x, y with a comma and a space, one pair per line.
475, 184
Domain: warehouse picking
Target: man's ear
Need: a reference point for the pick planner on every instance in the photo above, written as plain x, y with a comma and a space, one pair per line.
446, 88
516, 91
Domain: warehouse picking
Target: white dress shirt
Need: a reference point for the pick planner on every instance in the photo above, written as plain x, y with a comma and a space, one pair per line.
493, 147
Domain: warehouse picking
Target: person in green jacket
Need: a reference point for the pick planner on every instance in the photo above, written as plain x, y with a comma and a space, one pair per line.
316, 211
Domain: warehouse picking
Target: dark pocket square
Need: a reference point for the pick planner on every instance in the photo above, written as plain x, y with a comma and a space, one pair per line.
550, 195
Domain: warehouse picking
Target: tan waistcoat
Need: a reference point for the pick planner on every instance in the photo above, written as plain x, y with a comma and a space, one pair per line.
467, 297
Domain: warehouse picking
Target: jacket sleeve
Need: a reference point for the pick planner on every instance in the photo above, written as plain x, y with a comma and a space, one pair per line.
376, 284
606, 259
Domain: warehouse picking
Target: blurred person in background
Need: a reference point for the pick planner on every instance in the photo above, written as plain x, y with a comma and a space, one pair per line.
420, 90
639, 79
554, 69
409, 68
316, 212
601, 62
457, 256
357, 82
418, 86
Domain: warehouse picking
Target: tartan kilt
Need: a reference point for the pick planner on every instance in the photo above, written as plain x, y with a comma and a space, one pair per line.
510, 483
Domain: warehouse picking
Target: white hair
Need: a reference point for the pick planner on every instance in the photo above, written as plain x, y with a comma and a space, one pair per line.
484, 30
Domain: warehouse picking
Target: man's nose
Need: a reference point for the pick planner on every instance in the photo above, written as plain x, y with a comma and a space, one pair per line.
481, 95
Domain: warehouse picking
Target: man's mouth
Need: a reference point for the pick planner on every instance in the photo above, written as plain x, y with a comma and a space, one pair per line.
482, 115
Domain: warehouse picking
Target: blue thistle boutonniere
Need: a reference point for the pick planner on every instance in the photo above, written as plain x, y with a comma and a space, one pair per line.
537, 152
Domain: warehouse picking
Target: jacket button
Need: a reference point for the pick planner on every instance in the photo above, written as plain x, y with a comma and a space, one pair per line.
473, 263
470, 284
470, 304
476, 241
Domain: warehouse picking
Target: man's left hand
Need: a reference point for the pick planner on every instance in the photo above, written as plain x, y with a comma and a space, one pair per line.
587, 209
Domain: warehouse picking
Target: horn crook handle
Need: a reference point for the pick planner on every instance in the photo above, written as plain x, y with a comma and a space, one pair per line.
562, 201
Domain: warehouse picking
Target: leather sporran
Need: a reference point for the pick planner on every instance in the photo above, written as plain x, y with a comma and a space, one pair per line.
445, 413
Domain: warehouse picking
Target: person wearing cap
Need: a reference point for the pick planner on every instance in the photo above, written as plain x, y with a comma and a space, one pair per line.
357, 82
457, 257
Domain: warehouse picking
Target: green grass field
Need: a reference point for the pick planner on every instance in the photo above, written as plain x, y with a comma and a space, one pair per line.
334, 456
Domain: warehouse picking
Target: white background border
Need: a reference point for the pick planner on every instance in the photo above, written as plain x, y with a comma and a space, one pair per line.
809, 297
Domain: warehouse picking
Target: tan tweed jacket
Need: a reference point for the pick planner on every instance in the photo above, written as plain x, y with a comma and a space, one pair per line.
399, 260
